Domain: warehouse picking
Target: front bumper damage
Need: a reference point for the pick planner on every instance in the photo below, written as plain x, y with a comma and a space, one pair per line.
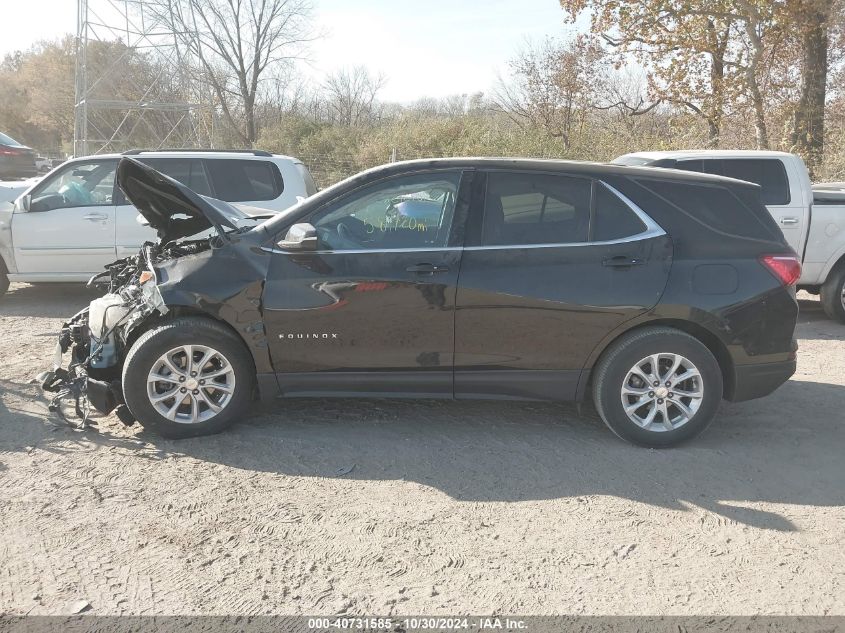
95, 339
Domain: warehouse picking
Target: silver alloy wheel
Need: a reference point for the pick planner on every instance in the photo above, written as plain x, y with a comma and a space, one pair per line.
190, 384
662, 392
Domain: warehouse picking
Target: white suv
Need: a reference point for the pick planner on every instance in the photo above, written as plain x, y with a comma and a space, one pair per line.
76, 220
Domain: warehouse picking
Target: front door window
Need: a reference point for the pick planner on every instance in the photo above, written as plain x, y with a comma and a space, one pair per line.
410, 212
85, 185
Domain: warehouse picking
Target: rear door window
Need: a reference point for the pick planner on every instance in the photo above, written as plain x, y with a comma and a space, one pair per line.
188, 171
238, 180
526, 208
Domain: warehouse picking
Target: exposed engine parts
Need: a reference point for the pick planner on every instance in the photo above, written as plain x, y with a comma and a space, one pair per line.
97, 336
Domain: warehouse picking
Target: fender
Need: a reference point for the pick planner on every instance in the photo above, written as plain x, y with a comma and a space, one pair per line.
674, 316
7, 253
232, 293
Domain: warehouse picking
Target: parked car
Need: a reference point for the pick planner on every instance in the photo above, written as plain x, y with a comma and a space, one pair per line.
75, 220
44, 164
659, 292
16, 160
814, 224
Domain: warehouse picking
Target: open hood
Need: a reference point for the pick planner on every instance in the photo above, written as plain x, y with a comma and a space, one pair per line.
171, 208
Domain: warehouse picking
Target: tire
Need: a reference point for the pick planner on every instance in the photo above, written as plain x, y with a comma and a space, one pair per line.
833, 294
4, 279
228, 365
617, 369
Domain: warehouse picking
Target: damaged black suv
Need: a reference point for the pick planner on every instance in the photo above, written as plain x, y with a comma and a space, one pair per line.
656, 291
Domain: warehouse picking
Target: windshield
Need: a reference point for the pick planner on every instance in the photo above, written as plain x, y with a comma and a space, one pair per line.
8, 140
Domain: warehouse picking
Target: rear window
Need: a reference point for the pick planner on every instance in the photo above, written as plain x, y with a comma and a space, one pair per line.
235, 180
188, 171
769, 173
737, 213
8, 140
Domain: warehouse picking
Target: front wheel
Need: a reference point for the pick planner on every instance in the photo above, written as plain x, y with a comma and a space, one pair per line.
833, 294
188, 377
657, 387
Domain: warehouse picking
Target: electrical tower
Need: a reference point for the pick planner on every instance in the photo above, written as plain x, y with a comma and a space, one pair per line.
133, 84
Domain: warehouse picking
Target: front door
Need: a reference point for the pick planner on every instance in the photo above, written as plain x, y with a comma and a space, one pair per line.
69, 228
372, 310
553, 263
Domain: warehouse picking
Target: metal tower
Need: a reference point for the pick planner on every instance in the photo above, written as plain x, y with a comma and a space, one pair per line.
133, 81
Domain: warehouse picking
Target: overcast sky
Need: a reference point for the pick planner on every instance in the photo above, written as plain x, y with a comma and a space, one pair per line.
431, 48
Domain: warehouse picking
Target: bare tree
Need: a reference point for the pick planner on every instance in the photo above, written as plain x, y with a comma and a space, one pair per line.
351, 94
552, 86
235, 43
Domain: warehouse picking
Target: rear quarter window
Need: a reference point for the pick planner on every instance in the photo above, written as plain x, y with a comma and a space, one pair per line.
769, 173
613, 218
737, 213
237, 180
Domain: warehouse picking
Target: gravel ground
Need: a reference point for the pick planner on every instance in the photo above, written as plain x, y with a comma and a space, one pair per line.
399, 507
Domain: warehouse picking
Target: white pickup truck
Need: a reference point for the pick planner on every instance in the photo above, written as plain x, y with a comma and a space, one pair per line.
811, 217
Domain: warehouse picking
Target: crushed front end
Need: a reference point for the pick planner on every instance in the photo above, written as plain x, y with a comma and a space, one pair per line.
97, 338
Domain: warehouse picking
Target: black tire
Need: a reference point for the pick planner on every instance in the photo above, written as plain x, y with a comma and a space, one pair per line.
621, 357
148, 349
832, 297
4, 279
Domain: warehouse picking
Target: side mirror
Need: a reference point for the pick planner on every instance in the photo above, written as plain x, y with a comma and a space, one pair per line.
300, 237
24, 202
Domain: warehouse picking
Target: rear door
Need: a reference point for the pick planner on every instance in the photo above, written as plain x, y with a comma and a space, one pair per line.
69, 228
553, 263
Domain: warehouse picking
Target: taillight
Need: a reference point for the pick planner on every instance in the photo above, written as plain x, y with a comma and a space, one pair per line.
8, 152
787, 268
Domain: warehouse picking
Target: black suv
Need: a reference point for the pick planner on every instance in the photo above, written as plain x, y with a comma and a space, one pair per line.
656, 291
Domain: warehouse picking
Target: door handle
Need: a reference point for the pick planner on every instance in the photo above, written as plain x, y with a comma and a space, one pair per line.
788, 221
622, 261
427, 269
96, 217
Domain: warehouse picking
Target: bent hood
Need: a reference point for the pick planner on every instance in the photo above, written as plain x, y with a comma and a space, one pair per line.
171, 208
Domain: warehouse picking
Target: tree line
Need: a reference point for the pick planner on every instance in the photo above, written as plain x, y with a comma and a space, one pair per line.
646, 74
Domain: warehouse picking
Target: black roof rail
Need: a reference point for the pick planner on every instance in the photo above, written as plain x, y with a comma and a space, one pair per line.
254, 152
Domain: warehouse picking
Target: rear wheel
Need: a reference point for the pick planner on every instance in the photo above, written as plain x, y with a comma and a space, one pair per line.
833, 294
188, 377
657, 387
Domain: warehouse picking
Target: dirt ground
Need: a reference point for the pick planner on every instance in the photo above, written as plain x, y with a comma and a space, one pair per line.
399, 507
